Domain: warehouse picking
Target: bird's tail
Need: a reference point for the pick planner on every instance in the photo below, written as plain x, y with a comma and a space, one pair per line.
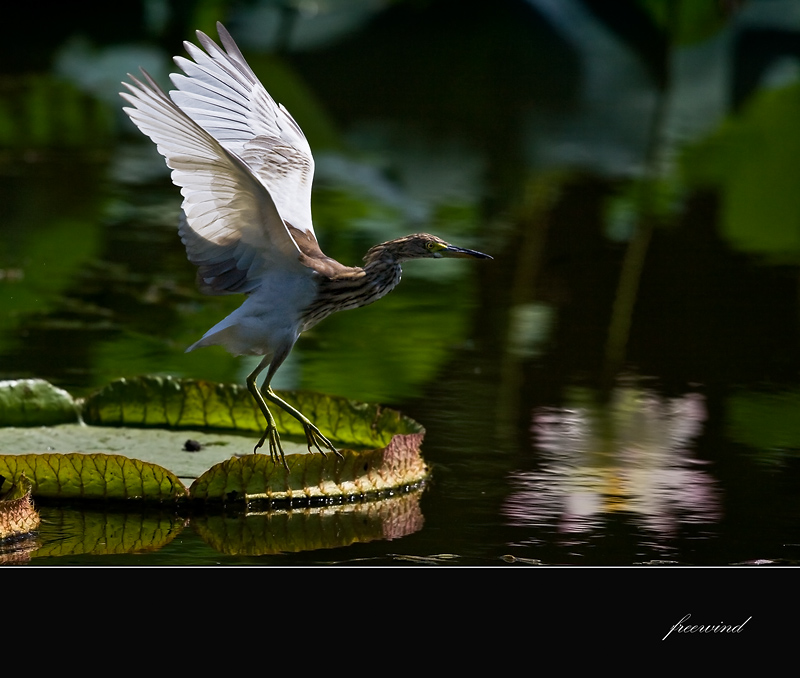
224, 334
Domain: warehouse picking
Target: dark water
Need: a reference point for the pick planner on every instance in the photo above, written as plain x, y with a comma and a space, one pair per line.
619, 386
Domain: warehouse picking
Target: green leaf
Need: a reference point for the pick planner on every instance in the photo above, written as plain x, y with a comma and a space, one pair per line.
93, 476
256, 477
188, 403
34, 402
752, 160
137, 427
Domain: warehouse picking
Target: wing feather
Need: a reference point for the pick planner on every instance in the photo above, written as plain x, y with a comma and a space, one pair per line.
233, 230
221, 93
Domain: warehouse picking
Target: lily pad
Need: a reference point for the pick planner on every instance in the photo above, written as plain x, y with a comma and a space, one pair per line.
190, 403
35, 402
93, 476
256, 477
118, 452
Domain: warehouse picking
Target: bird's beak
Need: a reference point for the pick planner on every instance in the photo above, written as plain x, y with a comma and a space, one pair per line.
461, 253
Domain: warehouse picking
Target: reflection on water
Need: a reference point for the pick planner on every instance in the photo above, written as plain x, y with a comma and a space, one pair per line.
311, 529
630, 456
528, 130
72, 534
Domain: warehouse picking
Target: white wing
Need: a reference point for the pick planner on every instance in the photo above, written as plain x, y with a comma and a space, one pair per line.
233, 230
221, 93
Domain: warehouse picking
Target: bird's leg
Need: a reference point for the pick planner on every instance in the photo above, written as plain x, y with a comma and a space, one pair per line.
271, 431
313, 435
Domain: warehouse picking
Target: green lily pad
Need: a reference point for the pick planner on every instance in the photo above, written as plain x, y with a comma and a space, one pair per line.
35, 402
190, 403
256, 477
93, 476
129, 447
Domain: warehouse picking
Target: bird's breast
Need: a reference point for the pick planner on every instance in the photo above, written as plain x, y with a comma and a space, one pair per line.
356, 289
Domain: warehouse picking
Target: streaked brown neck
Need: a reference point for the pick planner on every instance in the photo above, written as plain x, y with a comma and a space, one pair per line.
354, 287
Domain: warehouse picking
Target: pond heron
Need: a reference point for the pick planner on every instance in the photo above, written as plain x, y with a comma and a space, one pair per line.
245, 169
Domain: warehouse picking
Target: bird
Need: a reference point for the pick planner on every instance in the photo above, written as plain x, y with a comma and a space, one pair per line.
245, 170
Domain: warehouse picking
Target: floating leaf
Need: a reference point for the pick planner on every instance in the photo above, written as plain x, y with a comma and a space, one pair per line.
97, 461
161, 446
17, 514
93, 476
34, 402
256, 477
188, 403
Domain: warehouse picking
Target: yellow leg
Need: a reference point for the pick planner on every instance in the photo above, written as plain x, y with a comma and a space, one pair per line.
314, 436
271, 431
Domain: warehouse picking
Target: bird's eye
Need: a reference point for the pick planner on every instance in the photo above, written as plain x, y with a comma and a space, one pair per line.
430, 245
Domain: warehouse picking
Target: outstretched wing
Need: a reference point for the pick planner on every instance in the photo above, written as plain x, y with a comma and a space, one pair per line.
233, 232
220, 92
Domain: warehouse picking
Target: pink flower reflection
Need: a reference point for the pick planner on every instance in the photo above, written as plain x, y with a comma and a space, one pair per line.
630, 456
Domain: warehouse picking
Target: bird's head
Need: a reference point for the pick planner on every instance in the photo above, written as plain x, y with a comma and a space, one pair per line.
421, 246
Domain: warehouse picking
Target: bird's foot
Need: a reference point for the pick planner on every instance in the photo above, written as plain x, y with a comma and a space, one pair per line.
314, 437
275, 447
